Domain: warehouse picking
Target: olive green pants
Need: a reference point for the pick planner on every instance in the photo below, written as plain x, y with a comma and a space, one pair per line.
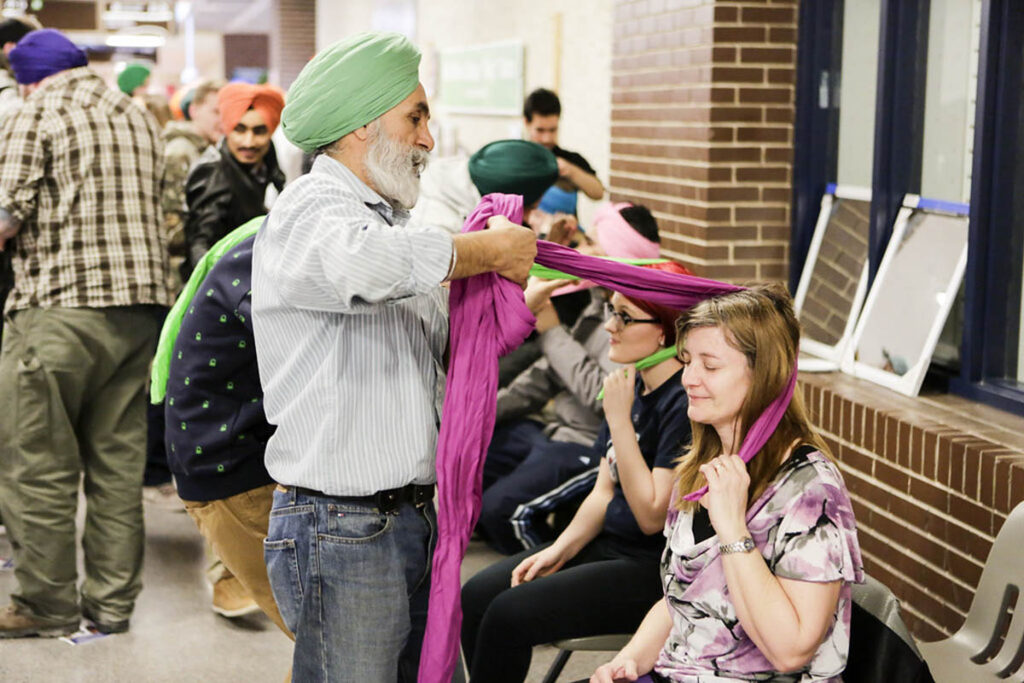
72, 410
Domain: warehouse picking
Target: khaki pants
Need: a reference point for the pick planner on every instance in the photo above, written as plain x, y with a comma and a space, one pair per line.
72, 403
236, 527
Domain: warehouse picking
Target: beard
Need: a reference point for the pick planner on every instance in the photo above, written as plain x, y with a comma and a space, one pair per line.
394, 168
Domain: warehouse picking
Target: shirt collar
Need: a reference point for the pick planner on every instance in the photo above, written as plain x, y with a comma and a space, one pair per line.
330, 166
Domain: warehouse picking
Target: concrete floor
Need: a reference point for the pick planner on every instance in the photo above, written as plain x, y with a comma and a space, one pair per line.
175, 636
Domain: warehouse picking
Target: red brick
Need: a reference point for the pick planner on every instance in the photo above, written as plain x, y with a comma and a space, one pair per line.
772, 55
732, 194
760, 214
762, 135
1016, 486
723, 114
929, 494
768, 15
776, 233
986, 480
888, 474
779, 34
740, 34
777, 154
763, 174
733, 74
963, 568
776, 195
733, 154
759, 252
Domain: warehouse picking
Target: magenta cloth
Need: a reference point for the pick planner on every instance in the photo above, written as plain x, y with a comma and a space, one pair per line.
489, 318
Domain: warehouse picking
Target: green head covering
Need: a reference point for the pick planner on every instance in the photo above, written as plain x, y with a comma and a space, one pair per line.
131, 78
514, 167
347, 86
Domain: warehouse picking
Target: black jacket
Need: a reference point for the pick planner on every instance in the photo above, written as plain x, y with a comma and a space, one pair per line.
221, 195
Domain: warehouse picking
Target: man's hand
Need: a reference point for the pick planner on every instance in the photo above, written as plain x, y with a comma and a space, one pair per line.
562, 229
565, 168
504, 248
517, 248
9, 227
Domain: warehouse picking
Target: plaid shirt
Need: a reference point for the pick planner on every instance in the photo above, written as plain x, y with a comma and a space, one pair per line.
81, 168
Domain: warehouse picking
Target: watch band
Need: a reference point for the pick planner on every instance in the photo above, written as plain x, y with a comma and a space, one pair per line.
744, 545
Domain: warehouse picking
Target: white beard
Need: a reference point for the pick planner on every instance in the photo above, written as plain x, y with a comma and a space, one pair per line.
394, 168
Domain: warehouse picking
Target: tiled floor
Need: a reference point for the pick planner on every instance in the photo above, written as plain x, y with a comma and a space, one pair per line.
175, 637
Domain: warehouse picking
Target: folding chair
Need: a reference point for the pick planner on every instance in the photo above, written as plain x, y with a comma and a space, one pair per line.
611, 643
990, 644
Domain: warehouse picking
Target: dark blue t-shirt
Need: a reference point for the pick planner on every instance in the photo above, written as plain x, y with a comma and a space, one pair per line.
663, 431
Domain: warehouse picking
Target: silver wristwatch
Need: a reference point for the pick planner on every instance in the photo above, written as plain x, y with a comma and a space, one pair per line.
744, 545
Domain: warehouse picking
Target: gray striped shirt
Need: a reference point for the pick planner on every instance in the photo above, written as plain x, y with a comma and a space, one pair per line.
351, 326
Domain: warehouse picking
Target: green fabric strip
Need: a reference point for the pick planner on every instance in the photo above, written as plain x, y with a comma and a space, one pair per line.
169, 333
551, 274
650, 361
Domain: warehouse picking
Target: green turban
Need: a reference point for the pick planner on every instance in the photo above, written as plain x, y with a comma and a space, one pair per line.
131, 78
347, 86
514, 167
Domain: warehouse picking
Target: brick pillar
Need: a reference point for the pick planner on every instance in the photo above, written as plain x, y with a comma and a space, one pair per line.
702, 128
294, 35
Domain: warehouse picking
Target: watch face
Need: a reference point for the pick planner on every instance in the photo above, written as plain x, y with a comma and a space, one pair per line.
748, 544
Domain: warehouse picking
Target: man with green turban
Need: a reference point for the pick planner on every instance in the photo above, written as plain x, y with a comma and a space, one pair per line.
351, 325
132, 79
451, 188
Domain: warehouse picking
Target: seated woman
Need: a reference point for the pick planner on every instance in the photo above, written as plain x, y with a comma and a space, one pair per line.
601, 574
757, 575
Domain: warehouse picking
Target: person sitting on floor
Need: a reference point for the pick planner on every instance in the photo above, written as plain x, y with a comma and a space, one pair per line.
601, 573
757, 573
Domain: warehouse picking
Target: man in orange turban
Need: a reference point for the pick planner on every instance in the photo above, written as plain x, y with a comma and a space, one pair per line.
228, 184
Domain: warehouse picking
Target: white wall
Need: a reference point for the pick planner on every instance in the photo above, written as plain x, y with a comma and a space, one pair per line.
583, 80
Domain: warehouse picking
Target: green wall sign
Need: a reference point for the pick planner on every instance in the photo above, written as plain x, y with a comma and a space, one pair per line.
486, 79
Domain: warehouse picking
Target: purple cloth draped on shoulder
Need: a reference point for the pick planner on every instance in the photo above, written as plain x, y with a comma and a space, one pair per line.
489, 318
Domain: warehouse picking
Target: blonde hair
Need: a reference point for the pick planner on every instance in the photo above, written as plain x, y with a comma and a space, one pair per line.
761, 324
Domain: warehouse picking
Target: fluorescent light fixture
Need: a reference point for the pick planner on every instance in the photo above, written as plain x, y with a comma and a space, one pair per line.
135, 40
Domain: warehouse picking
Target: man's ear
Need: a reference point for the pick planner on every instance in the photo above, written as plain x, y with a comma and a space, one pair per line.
362, 133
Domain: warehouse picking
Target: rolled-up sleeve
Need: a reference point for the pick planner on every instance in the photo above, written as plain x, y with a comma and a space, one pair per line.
22, 161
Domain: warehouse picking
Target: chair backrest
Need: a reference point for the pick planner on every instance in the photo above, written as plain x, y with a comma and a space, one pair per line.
881, 647
995, 623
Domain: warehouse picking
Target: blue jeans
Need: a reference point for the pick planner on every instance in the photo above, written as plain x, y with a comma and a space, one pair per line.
352, 584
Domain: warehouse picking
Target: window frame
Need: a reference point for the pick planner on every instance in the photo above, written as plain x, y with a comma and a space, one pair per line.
983, 372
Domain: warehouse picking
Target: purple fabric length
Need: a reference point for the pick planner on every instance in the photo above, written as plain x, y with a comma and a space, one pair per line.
489, 318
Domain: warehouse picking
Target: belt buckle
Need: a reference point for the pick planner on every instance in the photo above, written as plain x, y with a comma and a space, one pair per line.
389, 501
421, 495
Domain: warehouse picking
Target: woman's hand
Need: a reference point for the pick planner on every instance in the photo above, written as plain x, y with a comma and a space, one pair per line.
544, 563
619, 669
726, 499
538, 292
619, 392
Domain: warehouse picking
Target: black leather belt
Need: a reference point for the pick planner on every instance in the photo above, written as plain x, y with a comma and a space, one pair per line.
386, 501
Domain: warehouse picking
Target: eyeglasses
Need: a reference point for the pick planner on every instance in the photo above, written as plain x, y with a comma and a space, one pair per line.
622, 318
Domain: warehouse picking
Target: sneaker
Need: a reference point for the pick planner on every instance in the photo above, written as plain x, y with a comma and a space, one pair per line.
164, 496
18, 623
105, 625
231, 600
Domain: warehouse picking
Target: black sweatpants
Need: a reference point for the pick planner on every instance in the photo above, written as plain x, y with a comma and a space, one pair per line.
598, 592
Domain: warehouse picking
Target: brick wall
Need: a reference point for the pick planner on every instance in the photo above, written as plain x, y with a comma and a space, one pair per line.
932, 480
702, 111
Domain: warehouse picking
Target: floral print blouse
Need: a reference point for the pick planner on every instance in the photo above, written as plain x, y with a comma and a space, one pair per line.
804, 528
